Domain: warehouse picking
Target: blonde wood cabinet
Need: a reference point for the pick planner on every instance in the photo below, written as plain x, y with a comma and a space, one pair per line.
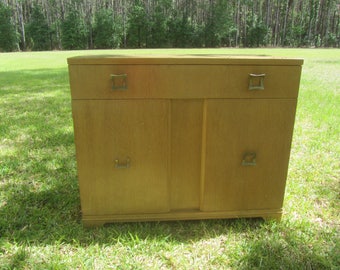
182, 137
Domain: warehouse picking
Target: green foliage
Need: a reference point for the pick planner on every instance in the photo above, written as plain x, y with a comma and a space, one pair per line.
74, 32
158, 25
297, 36
218, 24
8, 35
331, 40
137, 35
180, 31
185, 33
257, 34
77, 24
38, 31
107, 30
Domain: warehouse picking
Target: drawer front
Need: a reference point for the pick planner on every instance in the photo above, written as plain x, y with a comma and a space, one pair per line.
225, 81
183, 81
109, 81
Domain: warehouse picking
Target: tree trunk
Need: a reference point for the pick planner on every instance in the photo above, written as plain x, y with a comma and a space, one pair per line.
277, 25
237, 24
21, 25
289, 2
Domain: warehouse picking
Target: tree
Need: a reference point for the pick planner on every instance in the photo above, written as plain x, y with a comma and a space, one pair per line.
8, 35
257, 32
107, 30
37, 30
184, 29
74, 34
219, 23
21, 23
79, 24
158, 30
137, 34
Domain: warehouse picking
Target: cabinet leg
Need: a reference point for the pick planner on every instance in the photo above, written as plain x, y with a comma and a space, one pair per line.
273, 217
93, 223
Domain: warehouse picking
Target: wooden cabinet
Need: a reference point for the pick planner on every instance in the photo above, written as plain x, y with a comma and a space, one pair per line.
182, 137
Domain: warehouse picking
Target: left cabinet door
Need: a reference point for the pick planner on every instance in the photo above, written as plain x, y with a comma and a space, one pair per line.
122, 151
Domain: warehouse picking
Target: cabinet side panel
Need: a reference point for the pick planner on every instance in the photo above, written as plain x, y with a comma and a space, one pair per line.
186, 137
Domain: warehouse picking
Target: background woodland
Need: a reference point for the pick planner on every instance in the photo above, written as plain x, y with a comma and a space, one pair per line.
105, 24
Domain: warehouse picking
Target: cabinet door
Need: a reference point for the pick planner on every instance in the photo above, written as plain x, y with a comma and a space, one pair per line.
246, 153
122, 154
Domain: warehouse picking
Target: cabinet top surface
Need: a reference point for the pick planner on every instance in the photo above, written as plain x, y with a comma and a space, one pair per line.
188, 59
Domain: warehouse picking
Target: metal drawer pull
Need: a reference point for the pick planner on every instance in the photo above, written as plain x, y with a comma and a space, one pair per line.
256, 81
119, 81
122, 164
249, 159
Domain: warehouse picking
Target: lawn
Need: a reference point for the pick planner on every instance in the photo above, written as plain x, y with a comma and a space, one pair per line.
40, 225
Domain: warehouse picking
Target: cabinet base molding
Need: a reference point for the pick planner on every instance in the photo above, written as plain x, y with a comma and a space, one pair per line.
98, 220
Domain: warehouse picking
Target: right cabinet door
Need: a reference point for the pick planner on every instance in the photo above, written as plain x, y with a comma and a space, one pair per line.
245, 153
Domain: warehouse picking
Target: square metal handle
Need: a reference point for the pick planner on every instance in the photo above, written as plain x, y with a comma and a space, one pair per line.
256, 81
122, 164
249, 159
119, 81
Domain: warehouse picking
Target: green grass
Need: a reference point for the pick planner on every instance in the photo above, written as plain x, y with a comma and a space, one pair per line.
40, 224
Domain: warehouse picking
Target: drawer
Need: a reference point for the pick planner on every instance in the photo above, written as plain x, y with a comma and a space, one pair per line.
95, 81
225, 81
183, 81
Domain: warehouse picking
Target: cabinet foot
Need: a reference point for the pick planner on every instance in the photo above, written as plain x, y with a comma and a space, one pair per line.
93, 223
273, 217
